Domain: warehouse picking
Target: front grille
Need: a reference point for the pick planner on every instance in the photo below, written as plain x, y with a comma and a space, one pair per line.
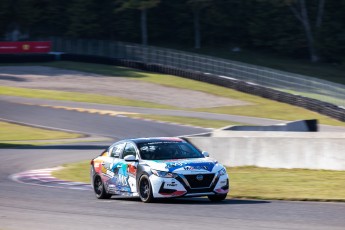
204, 183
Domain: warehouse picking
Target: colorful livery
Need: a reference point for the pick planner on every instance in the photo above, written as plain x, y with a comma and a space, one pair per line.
157, 168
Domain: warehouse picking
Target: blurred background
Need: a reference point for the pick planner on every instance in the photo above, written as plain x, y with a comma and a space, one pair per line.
311, 30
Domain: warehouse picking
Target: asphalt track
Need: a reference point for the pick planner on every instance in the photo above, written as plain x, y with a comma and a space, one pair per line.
11, 101
24, 206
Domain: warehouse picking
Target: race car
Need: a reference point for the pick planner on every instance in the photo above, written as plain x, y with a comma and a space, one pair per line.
160, 167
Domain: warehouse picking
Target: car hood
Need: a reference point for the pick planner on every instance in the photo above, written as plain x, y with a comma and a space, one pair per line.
185, 166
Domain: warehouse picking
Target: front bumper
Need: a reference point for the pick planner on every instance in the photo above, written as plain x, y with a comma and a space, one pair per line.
186, 185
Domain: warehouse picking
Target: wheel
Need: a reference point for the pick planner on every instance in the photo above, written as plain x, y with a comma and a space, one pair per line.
217, 198
99, 189
145, 189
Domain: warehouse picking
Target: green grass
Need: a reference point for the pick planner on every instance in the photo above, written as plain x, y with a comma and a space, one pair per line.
205, 123
79, 171
14, 132
259, 107
290, 184
257, 183
279, 111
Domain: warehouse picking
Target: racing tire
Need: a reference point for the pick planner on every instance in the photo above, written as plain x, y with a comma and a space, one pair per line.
145, 189
98, 187
217, 198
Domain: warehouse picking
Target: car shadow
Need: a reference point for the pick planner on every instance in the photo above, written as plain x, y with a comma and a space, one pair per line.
197, 201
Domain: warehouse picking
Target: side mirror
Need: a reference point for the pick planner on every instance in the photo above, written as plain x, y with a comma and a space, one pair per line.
206, 154
130, 158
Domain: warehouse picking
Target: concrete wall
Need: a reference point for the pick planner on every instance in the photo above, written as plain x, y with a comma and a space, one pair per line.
276, 149
294, 126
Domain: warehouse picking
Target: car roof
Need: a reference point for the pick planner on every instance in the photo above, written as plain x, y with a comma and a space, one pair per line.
156, 139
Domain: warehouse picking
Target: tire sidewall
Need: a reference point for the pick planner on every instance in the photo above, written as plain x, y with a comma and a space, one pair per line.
150, 196
102, 194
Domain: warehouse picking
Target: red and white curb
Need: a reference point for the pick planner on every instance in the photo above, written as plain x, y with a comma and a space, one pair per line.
43, 177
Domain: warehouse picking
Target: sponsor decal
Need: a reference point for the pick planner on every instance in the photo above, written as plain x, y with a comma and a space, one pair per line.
196, 167
110, 173
175, 164
132, 169
122, 180
26, 47
190, 165
172, 184
103, 170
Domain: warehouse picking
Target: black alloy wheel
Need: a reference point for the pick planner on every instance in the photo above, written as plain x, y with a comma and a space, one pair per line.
99, 189
145, 189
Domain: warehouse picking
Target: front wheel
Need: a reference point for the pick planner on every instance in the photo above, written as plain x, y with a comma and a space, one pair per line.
145, 189
99, 189
217, 198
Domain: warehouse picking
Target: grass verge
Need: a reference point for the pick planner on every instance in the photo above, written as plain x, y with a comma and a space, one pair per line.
16, 135
287, 184
257, 183
79, 172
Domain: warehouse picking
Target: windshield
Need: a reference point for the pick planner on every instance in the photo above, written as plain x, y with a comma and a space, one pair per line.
168, 150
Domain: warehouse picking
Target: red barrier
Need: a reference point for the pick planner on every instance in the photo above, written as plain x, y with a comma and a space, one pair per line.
24, 47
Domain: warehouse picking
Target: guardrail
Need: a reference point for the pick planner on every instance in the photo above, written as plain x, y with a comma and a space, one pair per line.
279, 80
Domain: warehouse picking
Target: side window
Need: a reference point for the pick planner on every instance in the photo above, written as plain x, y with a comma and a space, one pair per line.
129, 150
116, 151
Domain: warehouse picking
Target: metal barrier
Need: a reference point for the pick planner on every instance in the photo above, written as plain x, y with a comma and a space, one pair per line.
279, 80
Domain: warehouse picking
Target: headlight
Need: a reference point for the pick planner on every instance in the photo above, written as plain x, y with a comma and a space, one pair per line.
222, 172
163, 174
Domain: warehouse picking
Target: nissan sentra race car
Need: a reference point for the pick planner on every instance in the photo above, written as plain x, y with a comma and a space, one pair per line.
157, 168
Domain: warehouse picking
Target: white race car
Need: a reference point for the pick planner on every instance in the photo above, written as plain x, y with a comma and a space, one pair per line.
157, 168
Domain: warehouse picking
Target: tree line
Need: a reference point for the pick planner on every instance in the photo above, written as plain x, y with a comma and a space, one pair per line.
313, 29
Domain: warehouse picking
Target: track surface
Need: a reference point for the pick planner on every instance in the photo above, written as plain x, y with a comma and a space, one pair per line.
24, 206
15, 102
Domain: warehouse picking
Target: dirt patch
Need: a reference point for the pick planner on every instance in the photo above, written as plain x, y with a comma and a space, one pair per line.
39, 77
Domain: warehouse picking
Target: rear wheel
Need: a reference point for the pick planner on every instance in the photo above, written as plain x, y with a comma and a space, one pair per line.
217, 198
99, 189
145, 189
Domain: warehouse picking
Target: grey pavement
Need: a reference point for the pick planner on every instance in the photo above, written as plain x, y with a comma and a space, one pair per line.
30, 207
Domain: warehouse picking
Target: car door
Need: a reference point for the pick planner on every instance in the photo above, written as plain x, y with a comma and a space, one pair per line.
109, 166
127, 170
